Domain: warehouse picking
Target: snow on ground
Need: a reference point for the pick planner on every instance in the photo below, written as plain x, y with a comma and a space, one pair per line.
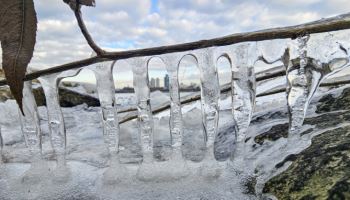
88, 158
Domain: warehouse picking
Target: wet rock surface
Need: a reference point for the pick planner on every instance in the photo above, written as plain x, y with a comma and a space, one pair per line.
322, 171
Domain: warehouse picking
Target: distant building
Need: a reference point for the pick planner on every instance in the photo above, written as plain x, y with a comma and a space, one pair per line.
157, 83
153, 83
166, 82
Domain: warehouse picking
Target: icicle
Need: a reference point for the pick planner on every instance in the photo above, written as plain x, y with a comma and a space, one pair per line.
116, 172
298, 87
30, 124
172, 63
142, 91
55, 116
243, 57
176, 167
57, 128
243, 85
145, 118
210, 95
305, 76
1, 147
106, 93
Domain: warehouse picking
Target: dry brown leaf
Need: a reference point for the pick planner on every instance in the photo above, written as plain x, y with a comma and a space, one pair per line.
18, 25
72, 3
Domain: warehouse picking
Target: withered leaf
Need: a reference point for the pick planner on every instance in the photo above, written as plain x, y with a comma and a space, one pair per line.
18, 25
73, 3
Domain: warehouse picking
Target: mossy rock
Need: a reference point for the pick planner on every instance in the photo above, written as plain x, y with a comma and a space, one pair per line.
2, 74
275, 133
332, 110
321, 171
320, 122
68, 98
330, 103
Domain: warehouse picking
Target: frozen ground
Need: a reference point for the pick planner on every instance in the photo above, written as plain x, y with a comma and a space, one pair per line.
91, 176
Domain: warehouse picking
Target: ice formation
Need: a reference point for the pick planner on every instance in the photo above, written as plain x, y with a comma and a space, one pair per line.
1, 146
307, 72
244, 85
210, 93
145, 117
171, 62
30, 124
106, 94
56, 123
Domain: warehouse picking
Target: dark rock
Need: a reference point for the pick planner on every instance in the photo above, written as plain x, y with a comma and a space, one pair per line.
320, 122
276, 132
249, 185
329, 103
5, 94
257, 118
291, 157
321, 171
68, 98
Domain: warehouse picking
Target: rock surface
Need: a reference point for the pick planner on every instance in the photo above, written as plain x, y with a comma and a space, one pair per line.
322, 171
68, 98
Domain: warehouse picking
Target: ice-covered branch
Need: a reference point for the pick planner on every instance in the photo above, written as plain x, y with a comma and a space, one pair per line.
340, 22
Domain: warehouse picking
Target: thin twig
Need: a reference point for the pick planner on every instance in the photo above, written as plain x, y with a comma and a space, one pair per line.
85, 32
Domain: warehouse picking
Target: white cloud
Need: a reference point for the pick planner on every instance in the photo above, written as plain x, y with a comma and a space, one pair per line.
296, 3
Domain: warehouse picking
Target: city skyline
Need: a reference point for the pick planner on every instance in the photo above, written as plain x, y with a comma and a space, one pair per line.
125, 78
188, 72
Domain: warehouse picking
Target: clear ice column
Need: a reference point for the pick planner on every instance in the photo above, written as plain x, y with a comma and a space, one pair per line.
210, 94
30, 124
176, 128
145, 118
57, 128
106, 93
1, 147
243, 58
297, 88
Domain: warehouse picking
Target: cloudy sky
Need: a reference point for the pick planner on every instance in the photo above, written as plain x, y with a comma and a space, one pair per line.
131, 24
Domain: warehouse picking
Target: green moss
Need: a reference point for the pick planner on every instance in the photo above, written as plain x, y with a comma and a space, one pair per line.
321, 171
329, 103
276, 132
320, 122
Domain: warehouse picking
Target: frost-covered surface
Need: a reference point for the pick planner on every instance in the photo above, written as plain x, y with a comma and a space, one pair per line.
88, 157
